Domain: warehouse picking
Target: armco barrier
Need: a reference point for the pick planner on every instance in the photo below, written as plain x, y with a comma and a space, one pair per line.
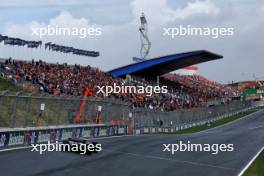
27, 136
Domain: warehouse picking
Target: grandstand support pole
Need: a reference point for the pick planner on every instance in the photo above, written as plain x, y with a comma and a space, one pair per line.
1, 105
28, 111
98, 119
13, 115
61, 115
158, 80
50, 113
68, 110
132, 122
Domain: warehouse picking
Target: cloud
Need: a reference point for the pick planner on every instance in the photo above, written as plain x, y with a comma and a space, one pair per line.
262, 9
120, 42
31, 3
112, 44
64, 20
160, 12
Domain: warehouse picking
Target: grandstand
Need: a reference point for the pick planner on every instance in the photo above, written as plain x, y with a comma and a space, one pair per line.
185, 92
153, 114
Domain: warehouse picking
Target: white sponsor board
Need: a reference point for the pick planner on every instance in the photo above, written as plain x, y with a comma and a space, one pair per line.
137, 131
121, 130
16, 140
43, 137
153, 130
146, 130
66, 134
86, 133
103, 132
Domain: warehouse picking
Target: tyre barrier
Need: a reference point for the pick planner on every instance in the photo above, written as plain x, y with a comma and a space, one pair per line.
28, 136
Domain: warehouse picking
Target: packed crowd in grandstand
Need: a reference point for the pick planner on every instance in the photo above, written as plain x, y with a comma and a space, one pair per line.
64, 80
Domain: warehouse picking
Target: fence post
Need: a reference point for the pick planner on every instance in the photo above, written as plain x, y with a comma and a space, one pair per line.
13, 115
28, 111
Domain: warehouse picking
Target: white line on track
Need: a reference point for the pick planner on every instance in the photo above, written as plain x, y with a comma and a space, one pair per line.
16, 148
250, 162
253, 128
172, 160
89, 139
226, 124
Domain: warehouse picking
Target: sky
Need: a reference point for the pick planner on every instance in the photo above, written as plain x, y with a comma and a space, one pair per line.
119, 20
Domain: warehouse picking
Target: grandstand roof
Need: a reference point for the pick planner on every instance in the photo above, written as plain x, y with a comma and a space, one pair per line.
164, 64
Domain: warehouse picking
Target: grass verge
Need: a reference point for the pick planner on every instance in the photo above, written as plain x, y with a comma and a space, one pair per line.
8, 85
257, 167
214, 124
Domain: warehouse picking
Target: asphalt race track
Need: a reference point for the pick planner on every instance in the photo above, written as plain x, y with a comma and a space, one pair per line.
143, 155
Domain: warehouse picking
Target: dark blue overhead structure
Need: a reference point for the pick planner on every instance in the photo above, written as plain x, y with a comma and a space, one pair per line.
164, 64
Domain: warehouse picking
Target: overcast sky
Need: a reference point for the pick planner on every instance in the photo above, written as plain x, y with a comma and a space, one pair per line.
119, 19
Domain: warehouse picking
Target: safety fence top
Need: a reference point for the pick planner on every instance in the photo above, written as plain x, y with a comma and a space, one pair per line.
50, 127
107, 100
50, 96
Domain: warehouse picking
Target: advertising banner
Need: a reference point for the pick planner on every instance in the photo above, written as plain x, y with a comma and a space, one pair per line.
16, 138
43, 136
77, 132
87, 132
121, 130
4, 140
55, 135
103, 131
66, 133
31, 137
96, 131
